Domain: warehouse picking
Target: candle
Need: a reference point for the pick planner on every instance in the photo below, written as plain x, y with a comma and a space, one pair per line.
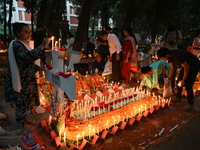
59, 42
89, 130
83, 134
50, 117
60, 134
77, 139
114, 122
98, 130
56, 45
118, 119
65, 137
52, 38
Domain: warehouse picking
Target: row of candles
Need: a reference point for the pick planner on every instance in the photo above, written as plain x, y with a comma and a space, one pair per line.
91, 108
90, 130
56, 42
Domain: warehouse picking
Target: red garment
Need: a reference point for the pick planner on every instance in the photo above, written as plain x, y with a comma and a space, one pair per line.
126, 67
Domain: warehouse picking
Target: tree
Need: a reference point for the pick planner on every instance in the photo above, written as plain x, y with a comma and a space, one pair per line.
83, 24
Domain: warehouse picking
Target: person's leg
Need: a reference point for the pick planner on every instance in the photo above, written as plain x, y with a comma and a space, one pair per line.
189, 84
179, 89
20, 115
115, 68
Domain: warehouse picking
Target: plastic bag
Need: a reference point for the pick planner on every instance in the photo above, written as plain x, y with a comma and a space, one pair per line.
167, 89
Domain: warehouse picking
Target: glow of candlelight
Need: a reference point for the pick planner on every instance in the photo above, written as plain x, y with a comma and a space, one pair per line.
64, 137
50, 117
83, 134
56, 44
52, 38
60, 134
77, 139
59, 42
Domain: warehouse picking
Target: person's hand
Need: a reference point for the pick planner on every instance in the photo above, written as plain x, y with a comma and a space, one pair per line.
180, 83
117, 57
45, 42
126, 61
105, 44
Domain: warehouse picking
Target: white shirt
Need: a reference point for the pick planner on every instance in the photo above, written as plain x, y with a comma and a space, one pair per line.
114, 44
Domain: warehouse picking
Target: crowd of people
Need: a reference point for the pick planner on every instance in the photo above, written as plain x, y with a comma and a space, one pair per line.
115, 60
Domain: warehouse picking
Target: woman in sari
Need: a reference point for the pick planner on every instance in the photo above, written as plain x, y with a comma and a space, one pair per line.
130, 55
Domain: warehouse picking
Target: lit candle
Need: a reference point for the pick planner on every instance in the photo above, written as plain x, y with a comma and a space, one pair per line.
83, 134
56, 45
114, 122
59, 42
52, 38
77, 139
65, 137
98, 130
60, 134
50, 117
118, 119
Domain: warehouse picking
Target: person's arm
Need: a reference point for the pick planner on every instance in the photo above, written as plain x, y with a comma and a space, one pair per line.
149, 60
186, 71
105, 44
171, 71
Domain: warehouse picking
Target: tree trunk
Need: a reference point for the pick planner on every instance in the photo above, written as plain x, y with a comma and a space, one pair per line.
32, 16
5, 21
127, 21
83, 24
10, 17
41, 13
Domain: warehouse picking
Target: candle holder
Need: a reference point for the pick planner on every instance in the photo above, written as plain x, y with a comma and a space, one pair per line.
139, 117
85, 145
146, 113
123, 126
73, 147
152, 109
96, 139
114, 130
53, 134
47, 128
157, 107
131, 121
43, 123
163, 104
57, 141
106, 134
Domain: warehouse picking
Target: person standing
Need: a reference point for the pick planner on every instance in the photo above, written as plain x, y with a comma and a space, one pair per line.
115, 52
89, 48
129, 50
103, 49
190, 66
171, 37
196, 45
20, 80
70, 44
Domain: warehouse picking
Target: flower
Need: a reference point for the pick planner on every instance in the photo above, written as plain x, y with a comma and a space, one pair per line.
49, 67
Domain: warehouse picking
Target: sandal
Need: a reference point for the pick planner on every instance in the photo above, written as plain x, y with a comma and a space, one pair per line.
3, 116
2, 131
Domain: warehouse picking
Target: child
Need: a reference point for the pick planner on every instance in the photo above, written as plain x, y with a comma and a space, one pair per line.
147, 56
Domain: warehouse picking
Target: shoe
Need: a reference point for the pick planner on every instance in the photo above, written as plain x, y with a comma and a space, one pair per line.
176, 100
188, 107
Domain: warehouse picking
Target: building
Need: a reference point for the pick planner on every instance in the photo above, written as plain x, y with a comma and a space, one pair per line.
20, 15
